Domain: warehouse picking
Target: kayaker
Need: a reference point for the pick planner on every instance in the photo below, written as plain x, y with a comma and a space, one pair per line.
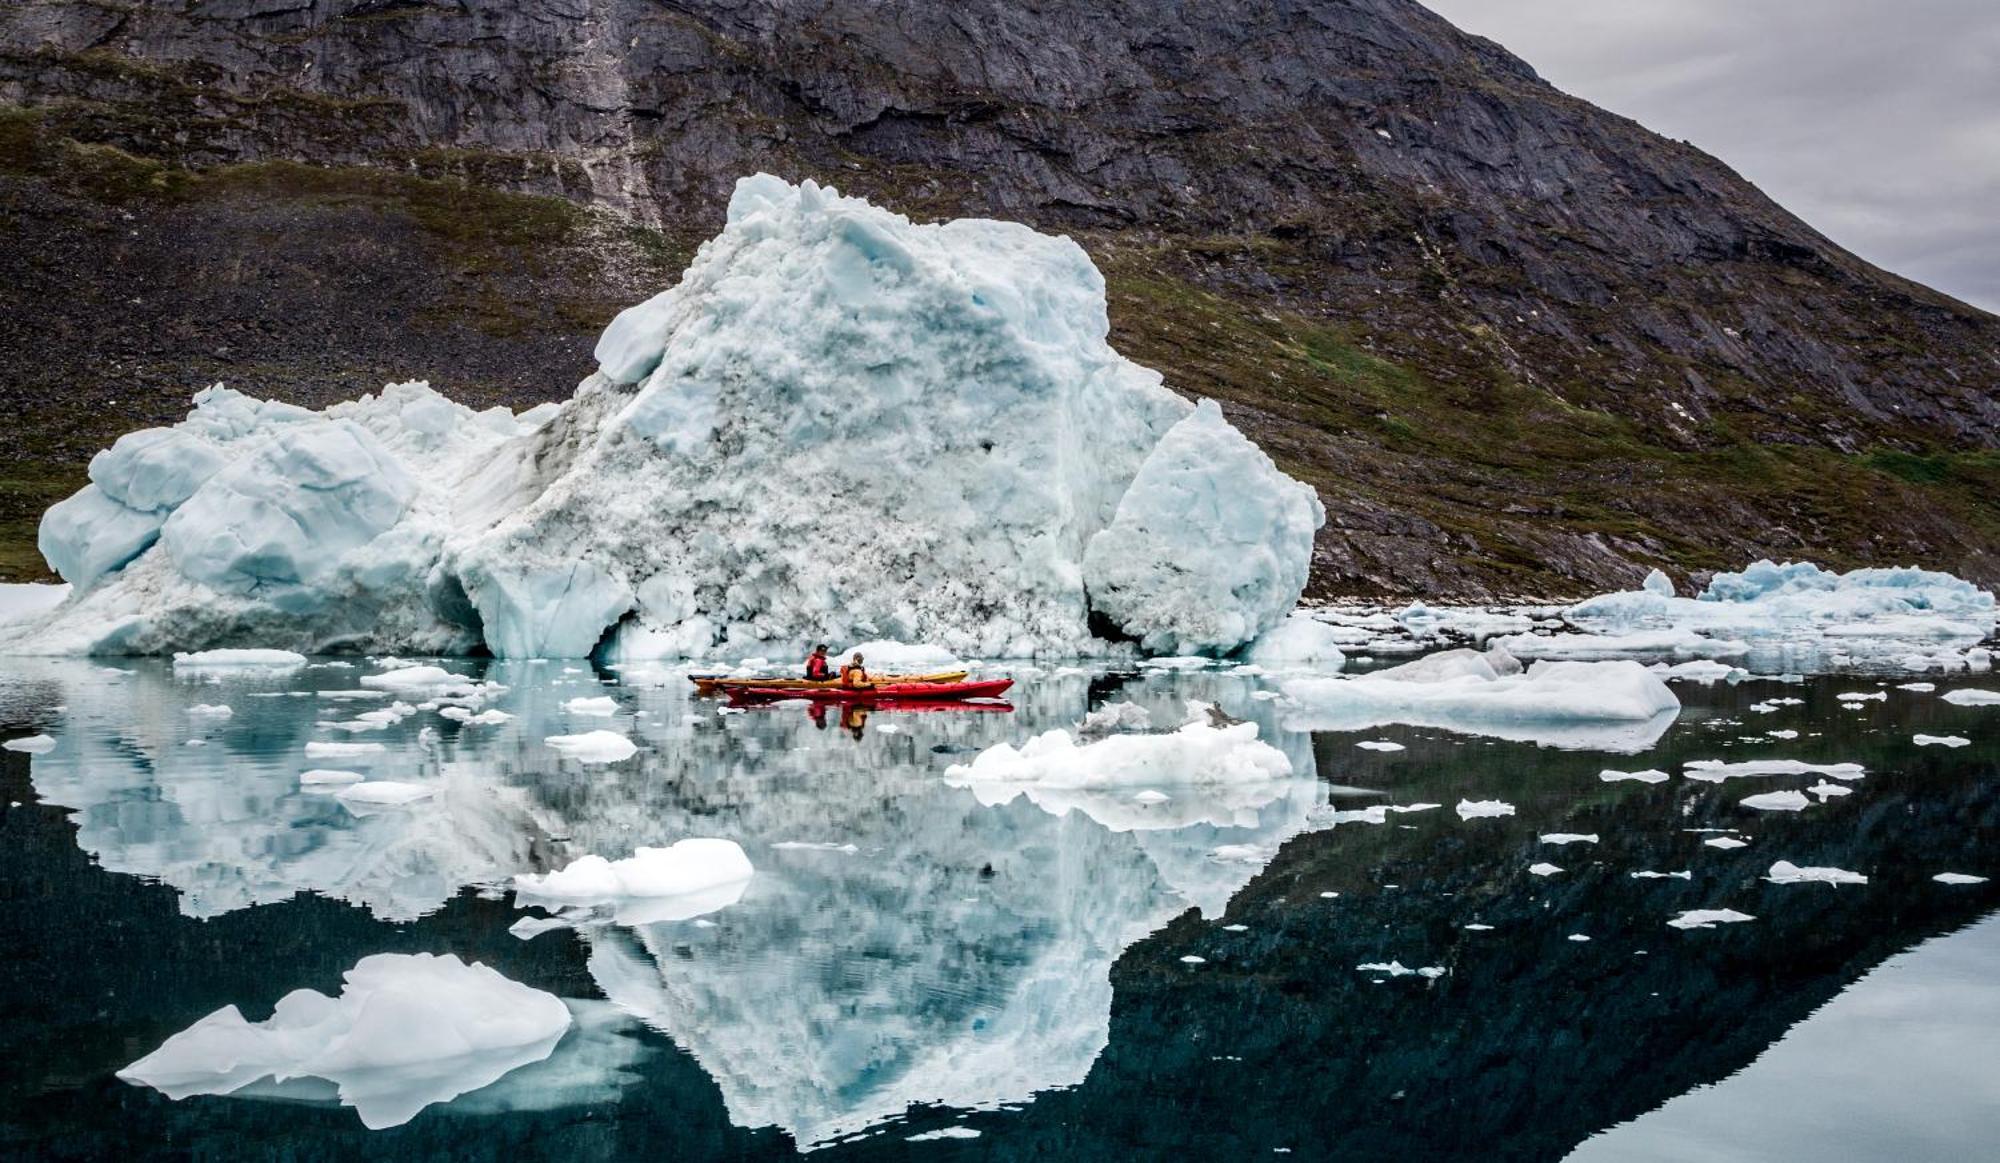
853, 673
818, 669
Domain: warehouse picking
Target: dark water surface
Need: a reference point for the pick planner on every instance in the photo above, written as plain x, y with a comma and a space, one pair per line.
1015, 969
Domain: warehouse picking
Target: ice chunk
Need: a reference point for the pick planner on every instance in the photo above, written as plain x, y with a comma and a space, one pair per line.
1543, 869
407, 1030
631, 347
1785, 872
89, 535
1862, 696
1958, 878
884, 655
1972, 698
957, 1132
1197, 754
1483, 809
528, 928
210, 711
1569, 838
1210, 546
284, 516
326, 777
1607, 705
1299, 641
1701, 670
1379, 745
1919, 687
202, 660
1709, 918
1778, 801
556, 611
597, 707
1826, 791
1651, 875
1940, 740
1726, 842
1114, 717
155, 469
31, 744
1716, 770
19, 601
1647, 776
387, 792
594, 746
319, 749
686, 879
1658, 583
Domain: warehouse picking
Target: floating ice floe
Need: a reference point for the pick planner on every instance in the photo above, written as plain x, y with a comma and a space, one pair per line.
1299, 642
1778, 801
1726, 842
1612, 706
1378, 745
320, 749
328, 777
1024, 478
1483, 809
384, 792
1826, 791
1543, 869
1922, 688
1785, 872
210, 711
1701, 670
947, 1132
1768, 611
594, 746
686, 879
1709, 918
1114, 717
1651, 875
1958, 878
1398, 969
1862, 696
1647, 776
31, 744
487, 718
1940, 740
814, 846
407, 1030
1716, 770
1972, 698
599, 707
1569, 838
1218, 775
227, 661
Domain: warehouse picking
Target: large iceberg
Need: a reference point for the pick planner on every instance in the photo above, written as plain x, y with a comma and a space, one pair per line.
839, 426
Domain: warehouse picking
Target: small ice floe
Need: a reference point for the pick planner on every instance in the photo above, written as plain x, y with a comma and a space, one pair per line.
1191, 959
1327, 896
1958, 878
529, 928
1398, 969
32, 744
407, 1030
594, 746
1647, 776
1726, 842
1862, 696
1235, 928
1972, 698
1379, 745
1476, 927
195, 743
1922, 688
1578, 937
814, 846
684, 880
212, 660
1785, 872
1940, 740
1543, 869
485, 718
384, 793
1150, 796
597, 707
421, 681
1709, 918
1778, 801
1826, 791
1483, 809
1784, 734
318, 749
327, 777
1716, 771
210, 711
1702, 670
1400, 808
1651, 875
944, 1133
1569, 838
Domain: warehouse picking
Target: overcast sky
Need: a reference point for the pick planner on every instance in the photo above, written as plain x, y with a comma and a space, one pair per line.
1878, 121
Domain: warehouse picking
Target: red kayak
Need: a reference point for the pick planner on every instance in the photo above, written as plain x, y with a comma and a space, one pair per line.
901, 692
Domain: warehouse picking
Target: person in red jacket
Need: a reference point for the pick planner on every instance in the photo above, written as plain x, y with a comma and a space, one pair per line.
818, 669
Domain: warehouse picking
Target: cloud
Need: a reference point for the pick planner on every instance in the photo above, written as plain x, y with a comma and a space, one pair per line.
1877, 123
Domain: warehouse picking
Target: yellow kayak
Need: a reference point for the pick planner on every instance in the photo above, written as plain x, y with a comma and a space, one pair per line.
710, 684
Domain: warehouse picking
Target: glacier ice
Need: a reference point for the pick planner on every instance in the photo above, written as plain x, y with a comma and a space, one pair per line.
1300, 641
407, 1030
1612, 706
1009, 480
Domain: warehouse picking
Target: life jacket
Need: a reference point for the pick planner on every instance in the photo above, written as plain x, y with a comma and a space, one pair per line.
818, 669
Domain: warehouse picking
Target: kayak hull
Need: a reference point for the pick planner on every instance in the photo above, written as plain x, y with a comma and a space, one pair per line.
881, 692
705, 684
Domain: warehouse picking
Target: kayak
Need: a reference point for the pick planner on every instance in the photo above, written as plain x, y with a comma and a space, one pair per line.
928, 692
714, 684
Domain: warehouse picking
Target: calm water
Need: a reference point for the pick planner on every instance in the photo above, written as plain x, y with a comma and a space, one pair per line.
1016, 969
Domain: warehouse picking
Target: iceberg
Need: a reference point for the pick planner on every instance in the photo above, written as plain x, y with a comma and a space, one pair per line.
1013, 486
407, 1030
1611, 706
699, 875
1300, 641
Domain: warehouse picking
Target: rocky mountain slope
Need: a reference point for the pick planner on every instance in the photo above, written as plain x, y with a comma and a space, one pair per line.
1522, 346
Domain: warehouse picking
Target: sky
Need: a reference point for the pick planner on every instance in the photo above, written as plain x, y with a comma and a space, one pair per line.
1877, 121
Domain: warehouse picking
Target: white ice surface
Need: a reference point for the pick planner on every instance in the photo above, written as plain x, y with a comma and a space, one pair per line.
1785, 872
1709, 918
407, 1030
686, 879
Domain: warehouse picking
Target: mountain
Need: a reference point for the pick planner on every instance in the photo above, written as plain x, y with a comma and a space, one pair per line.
1521, 345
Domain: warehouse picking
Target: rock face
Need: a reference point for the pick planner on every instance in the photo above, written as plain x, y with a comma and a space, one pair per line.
1536, 344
